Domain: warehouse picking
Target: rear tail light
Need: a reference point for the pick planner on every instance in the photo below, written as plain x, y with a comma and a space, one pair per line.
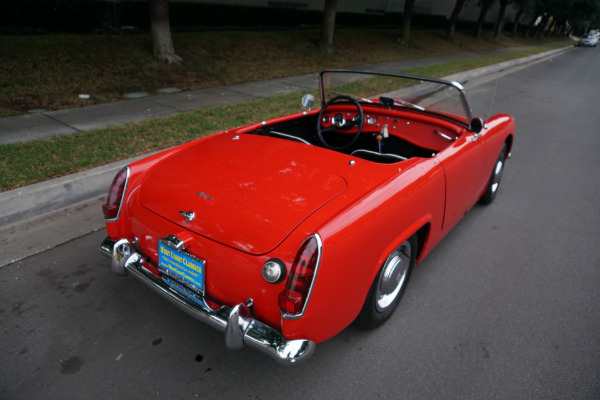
112, 208
293, 300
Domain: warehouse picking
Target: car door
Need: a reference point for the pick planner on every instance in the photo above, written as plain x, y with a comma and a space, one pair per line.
462, 163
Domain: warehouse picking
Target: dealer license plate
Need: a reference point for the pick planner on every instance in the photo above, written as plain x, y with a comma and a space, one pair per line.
181, 266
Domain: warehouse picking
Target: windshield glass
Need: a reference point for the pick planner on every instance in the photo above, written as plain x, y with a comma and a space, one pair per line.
419, 93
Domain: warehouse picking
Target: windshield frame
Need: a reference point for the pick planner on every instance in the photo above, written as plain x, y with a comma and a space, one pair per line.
453, 84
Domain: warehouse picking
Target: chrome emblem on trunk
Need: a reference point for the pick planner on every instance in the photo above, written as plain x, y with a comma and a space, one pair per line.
189, 215
206, 196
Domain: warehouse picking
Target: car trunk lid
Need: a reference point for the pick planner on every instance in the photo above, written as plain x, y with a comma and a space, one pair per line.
247, 192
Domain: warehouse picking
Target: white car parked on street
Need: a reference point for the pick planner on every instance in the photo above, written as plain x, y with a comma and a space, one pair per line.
589, 40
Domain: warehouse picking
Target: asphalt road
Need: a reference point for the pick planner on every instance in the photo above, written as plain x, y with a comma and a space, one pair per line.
506, 307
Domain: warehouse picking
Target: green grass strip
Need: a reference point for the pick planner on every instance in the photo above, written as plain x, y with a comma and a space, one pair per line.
27, 163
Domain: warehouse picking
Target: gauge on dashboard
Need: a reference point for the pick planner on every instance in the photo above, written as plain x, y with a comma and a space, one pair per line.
371, 120
339, 120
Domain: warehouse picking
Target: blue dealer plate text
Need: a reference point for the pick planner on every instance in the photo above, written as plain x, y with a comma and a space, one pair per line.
181, 266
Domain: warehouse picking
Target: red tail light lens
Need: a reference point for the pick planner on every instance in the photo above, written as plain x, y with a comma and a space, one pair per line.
116, 193
293, 300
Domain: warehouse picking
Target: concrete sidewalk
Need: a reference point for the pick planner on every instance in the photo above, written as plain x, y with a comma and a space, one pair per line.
64, 122
36, 212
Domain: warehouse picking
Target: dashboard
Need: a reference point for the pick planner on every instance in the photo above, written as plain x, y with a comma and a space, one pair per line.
417, 128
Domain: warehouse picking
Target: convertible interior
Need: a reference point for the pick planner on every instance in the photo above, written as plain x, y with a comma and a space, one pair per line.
386, 134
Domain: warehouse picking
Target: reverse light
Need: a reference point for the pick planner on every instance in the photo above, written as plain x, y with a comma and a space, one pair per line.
112, 208
293, 300
274, 270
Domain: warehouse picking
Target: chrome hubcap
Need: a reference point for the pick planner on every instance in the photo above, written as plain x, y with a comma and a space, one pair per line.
497, 175
393, 276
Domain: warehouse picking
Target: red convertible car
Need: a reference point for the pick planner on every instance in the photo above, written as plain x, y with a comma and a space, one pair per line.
282, 233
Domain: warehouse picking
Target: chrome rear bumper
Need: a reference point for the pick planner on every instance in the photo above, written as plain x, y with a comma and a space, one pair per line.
237, 323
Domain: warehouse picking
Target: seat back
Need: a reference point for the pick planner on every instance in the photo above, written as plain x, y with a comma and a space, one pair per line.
384, 158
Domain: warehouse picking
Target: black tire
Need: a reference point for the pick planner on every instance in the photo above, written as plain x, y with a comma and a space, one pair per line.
495, 178
389, 286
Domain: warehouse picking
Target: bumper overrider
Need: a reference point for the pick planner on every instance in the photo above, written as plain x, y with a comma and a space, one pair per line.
237, 323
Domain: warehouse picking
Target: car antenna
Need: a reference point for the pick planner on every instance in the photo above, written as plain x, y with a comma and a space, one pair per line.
489, 113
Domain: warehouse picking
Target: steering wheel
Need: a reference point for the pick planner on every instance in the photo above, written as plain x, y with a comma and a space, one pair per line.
339, 122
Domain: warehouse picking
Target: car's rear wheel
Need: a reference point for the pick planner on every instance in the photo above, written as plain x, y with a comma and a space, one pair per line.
495, 178
389, 286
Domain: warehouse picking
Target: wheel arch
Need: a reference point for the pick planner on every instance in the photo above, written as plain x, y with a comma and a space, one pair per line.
421, 229
509, 143
422, 236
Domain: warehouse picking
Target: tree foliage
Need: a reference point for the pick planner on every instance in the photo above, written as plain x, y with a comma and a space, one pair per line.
546, 17
556, 17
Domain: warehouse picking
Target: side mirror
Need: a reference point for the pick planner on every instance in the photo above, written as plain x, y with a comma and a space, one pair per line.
308, 100
476, 125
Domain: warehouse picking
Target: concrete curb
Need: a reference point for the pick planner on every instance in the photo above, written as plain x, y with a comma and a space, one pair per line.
32, 201
472, 74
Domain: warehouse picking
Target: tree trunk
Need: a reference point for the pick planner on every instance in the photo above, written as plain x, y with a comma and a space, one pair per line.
327, 27
551, 27
515, 26
454, 19
500, 21
530, 26
485, 6
161, 32
406, 16
540, 30
561, 28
